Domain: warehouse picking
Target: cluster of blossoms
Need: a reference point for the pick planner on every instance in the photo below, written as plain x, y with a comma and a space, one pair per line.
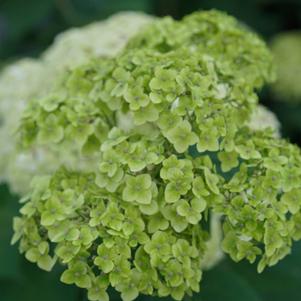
27, 79
286, 48
166, 123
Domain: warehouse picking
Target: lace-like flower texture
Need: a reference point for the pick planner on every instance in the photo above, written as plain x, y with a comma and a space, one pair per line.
167, 118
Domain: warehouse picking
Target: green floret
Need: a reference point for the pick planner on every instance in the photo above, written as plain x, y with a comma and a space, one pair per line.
138, 189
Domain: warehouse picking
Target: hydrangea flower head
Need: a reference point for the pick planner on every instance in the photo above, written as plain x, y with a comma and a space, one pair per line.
140, 220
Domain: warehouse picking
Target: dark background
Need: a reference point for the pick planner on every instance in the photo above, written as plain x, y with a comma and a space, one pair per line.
27, 27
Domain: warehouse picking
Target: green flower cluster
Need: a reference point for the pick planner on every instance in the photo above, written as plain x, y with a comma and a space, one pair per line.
167, 123
34, 78
286, 48
189, 80
121, 238
232, 45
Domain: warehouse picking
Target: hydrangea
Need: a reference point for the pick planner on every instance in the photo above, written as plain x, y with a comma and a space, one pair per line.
36, 77
286, 49
146, 218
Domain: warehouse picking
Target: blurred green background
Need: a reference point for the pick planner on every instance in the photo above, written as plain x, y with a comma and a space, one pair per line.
27, 27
